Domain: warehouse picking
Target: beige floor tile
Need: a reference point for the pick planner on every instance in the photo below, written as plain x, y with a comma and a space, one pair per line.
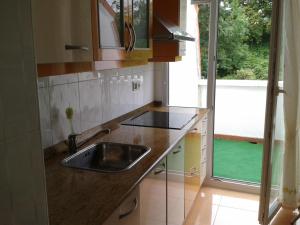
240, 203
232, 216
204, 210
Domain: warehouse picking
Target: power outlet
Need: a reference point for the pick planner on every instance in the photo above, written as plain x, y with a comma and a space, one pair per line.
136, 85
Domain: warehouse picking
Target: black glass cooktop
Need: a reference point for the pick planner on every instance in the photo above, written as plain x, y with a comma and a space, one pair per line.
168, 120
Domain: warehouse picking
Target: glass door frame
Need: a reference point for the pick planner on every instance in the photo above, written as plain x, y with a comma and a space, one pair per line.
266, 213
211, 93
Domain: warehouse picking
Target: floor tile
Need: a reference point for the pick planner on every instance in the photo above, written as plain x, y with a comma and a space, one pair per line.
232, 216
240, 203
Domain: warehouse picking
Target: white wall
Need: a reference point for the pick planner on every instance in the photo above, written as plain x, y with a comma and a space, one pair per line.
240, 107
184, 75
96, 98
22, 179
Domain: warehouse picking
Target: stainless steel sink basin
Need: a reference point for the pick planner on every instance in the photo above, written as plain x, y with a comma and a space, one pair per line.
107, 157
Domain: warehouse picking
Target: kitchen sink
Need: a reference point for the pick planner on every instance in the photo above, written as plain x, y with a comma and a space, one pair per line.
107, 157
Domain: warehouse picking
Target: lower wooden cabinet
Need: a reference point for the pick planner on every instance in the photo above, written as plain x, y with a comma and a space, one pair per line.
175, 185
128, 213
166, 195
153, 196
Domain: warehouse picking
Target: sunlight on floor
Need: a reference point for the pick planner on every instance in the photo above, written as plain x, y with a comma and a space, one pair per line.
222, 207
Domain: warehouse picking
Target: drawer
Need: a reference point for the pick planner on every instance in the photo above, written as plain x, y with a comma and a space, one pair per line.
128, 212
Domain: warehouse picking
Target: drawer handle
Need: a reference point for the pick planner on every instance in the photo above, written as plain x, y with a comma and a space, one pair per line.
76, 47
176, 152
135, 205
156, 172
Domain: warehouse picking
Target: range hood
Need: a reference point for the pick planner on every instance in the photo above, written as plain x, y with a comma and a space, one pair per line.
170, 31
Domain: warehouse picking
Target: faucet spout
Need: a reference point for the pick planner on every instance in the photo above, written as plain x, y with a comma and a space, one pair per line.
74, 146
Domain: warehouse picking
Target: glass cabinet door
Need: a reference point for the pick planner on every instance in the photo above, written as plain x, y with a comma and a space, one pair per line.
140, 23
111, 23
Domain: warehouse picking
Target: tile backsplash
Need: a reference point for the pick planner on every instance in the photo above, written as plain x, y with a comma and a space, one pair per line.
96, 98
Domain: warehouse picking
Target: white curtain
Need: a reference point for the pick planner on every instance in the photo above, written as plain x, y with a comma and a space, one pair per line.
291, 169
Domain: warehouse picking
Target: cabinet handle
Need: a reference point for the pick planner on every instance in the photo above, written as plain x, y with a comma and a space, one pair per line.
128, 48
134, 37
76, 47
156, 172
135, 205
176, 152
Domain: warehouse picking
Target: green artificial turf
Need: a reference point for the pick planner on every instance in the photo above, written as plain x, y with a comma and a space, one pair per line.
237, 160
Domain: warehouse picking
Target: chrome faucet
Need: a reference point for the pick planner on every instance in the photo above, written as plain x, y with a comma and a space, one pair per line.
72, 140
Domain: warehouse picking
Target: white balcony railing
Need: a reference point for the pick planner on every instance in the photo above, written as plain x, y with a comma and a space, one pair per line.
240, 107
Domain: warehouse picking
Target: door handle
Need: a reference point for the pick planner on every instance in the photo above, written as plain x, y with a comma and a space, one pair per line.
280, 91
134, 37
135, 205
176, 152
76, 47
156, 172
128, 48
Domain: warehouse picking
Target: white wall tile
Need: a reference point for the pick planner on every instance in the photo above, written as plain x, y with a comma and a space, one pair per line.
106, 99
114, 88
61, 97
43, 82
90, 104
63, 79
140, 91
148, 87
102, 96
45, 117
125, 71
125, 88
88, 76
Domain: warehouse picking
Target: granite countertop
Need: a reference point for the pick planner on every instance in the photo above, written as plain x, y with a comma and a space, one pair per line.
82, 197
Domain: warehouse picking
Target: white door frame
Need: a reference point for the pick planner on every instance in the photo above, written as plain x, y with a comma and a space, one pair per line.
211, 91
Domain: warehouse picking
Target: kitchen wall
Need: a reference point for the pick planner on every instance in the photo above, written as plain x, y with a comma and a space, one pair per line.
96, 98
22, 179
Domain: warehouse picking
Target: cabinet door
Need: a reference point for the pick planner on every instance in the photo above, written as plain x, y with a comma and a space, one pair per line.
80, 44
192, 165
128, 213
111, 23
153, 196
140, 23
175, 185
112, 35
62, 31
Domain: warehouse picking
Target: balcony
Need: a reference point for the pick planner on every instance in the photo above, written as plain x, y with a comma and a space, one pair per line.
239, 128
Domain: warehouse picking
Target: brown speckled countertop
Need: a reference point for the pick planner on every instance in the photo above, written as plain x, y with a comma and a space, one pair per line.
81, 197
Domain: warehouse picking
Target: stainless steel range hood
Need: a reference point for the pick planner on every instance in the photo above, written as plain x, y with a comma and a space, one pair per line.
171, 32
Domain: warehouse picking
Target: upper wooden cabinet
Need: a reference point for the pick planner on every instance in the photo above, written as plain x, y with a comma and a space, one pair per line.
62, 31
168, 15
122, 29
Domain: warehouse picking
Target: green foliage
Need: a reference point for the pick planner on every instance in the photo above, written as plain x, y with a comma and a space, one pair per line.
203, 18
232, 37
259, 14
243, 39
245, 74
